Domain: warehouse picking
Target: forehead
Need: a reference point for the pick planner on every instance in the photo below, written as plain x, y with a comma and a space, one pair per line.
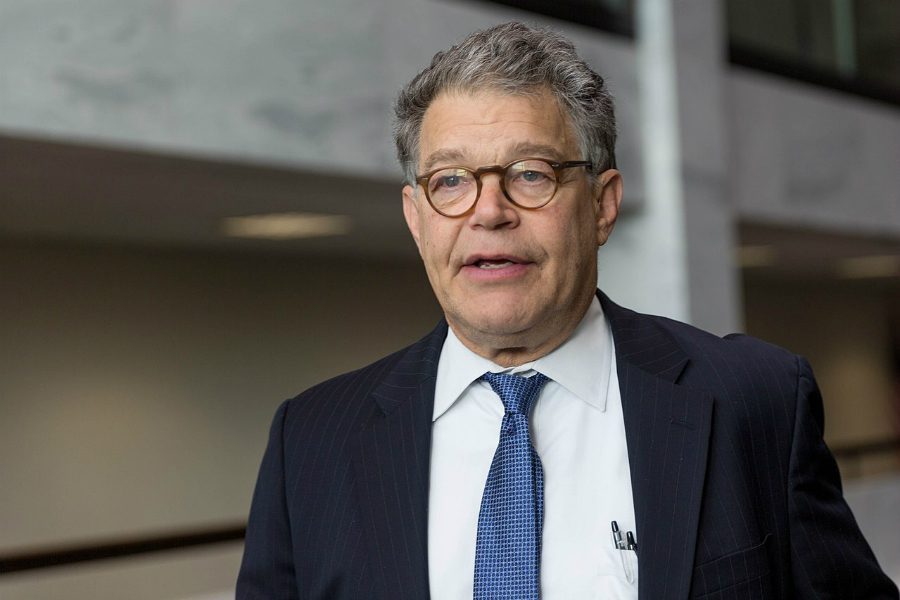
491, 127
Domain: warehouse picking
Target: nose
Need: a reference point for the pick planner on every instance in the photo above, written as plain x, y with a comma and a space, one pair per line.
493, 209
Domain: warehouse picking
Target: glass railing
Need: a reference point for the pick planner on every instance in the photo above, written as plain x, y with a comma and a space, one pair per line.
198, 563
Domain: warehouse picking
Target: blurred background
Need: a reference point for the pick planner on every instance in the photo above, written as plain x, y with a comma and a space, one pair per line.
200, 211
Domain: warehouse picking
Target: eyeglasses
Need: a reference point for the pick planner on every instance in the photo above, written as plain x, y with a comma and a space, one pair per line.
528, 183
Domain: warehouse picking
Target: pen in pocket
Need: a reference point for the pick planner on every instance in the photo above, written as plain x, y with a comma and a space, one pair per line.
623, 546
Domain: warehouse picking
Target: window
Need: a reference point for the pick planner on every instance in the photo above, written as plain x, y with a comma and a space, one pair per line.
852, 45
613, 16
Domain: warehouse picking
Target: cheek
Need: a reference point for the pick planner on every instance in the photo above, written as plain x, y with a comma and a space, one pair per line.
436, 243
574, 243
445, 234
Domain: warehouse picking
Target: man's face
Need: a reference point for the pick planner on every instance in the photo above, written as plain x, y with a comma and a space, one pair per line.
508, 277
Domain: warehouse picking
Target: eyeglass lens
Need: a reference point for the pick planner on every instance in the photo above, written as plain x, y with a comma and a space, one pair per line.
529, 183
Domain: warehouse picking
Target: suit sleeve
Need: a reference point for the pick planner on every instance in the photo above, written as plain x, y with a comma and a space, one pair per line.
267, 569
830, 558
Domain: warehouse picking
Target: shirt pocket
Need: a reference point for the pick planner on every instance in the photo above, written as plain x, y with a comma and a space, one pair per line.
743, 573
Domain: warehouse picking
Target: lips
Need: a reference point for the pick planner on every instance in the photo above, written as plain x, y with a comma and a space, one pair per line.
495, 268
495, 261
493, 264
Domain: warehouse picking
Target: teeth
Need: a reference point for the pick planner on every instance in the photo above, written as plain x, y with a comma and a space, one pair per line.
493, 264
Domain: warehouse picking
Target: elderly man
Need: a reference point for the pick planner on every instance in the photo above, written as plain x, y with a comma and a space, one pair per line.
543, 442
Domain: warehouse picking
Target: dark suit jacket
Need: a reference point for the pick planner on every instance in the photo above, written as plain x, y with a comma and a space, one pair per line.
735, 494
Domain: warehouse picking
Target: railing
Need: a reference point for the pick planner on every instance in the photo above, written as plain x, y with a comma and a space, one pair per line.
42, 558
851, 456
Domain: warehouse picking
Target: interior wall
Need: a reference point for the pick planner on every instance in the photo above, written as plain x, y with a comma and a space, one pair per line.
844, 331
137, 386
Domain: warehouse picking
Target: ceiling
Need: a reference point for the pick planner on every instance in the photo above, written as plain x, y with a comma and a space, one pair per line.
803, 254
83, 193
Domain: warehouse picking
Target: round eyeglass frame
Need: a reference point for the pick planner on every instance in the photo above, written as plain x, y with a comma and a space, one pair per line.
501, 170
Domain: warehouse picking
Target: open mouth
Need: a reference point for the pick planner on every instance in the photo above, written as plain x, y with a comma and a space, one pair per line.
489, 264
500, 264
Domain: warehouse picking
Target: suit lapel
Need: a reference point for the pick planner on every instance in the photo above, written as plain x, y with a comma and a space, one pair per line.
392, 466
667, 428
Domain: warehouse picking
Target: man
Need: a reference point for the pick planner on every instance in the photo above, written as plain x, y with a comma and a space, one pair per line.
491, 458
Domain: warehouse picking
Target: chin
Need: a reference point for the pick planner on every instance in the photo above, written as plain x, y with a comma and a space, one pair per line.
500, 323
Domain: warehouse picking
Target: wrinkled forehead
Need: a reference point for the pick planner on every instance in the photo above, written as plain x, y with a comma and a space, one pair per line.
491, 126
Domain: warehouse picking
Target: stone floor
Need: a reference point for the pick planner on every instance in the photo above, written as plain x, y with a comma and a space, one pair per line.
876, 503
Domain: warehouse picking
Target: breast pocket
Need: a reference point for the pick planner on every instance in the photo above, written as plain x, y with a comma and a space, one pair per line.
740, 574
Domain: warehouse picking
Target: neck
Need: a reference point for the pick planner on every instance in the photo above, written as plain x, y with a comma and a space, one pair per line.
512, 350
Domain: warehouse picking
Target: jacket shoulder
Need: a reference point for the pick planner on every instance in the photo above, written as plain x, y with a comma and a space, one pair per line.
640, 330
739, 346
736, 365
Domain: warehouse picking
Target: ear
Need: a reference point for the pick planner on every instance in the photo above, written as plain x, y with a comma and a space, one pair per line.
411, 213
607, 198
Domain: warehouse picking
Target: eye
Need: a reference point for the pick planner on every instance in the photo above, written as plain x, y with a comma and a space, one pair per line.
530, 173
532, 176
448, 181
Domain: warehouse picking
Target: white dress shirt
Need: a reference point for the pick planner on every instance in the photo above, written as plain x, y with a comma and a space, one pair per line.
578, 431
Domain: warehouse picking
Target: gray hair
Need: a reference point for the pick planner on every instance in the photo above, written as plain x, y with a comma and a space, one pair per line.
519, 60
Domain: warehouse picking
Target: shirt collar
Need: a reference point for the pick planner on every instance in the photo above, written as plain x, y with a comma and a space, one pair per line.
581, 364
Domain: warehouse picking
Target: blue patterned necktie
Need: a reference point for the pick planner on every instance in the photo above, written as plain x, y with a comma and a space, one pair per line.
508, 546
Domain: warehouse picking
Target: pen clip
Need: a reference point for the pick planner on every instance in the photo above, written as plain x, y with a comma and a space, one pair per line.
631, 544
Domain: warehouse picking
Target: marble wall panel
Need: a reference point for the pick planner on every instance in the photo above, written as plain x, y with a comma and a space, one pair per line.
806, 156
274, 81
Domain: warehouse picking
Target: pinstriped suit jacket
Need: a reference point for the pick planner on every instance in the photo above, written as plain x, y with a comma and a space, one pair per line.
736, 496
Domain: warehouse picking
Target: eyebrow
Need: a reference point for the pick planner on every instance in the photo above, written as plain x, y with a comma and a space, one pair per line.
444, 155
525, 150
520, 150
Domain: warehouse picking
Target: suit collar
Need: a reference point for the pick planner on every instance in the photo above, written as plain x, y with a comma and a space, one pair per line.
641, 342
667, 428
414, 367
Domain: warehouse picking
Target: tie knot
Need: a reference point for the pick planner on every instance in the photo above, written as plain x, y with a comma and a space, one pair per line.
516, 392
